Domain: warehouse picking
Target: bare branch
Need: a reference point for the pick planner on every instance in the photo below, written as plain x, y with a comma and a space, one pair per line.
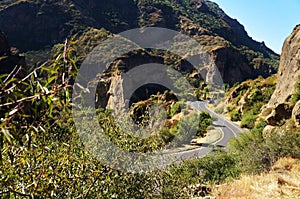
12, 74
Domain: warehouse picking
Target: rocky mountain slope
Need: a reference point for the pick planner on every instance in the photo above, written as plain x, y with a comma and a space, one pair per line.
35, 25
274, 99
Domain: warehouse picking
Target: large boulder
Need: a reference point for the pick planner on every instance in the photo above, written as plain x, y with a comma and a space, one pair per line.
280, 112
268, 130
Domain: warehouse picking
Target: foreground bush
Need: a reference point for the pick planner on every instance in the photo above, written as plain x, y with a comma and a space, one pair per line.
41, 155
258, 153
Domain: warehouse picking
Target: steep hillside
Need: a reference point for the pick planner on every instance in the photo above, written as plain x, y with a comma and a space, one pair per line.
35, 25
244, 101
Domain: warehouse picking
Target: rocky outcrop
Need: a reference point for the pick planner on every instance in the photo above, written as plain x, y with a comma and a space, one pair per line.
280, 104
249, 96
289, 69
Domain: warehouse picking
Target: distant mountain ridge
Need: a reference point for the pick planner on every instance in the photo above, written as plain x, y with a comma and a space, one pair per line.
34, 25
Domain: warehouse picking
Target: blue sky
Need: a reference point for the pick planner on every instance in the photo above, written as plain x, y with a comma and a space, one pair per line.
265, 20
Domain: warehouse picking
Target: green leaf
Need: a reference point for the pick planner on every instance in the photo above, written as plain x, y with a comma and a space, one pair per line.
7, 135
50, 80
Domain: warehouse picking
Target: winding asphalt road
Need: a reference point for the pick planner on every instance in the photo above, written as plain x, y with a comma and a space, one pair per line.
229, 130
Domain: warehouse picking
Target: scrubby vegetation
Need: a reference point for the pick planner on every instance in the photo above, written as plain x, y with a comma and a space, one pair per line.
42, 156
258, 153
247, 99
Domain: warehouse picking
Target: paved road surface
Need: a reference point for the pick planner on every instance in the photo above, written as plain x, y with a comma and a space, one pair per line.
229, 130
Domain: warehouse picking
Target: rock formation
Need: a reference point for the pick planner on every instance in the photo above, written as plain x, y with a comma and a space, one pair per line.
280, 104
289, 69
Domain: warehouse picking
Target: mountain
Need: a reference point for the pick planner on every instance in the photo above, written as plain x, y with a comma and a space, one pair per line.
37, 25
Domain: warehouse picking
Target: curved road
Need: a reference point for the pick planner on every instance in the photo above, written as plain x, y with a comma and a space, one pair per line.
229, 130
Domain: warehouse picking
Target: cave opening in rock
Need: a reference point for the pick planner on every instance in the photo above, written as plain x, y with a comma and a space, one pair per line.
146, 91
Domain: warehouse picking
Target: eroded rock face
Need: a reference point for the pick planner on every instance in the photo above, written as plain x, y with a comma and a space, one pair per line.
102, 94
289, 69
234, 67
287, 77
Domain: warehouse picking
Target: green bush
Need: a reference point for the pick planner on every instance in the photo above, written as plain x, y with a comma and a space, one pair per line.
204, 122
248, 119
259, 127
216, 167
176, 108
235, 115
257, 153
255, 96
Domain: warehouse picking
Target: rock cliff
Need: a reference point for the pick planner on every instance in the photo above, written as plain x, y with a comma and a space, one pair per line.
289, 69
283, 104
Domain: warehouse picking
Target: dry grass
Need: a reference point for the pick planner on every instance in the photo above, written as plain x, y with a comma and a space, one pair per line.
283, 181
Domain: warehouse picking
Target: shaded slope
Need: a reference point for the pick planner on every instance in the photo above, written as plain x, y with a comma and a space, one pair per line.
35, 25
